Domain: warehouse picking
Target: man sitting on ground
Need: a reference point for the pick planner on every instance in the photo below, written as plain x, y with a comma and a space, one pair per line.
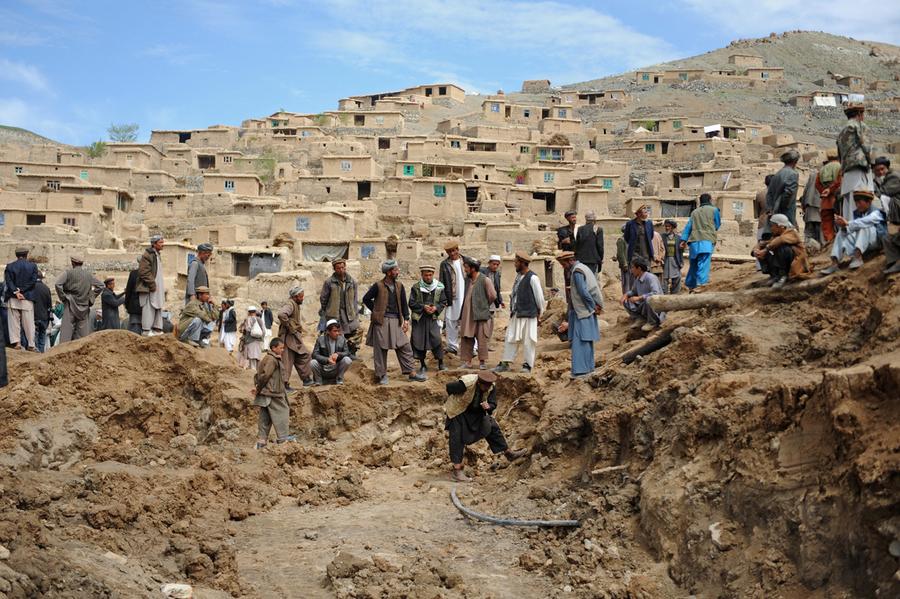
198, 319
471, 401
331, 355
636, 300
856, 237
782, 255
887, 187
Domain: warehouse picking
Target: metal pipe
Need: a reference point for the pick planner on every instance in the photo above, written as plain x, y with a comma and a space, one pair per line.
509, 521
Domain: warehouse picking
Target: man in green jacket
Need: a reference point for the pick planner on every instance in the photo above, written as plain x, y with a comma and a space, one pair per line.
198, 319
700, 234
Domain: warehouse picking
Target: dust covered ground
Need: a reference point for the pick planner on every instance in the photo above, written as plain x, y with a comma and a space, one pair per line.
755, 455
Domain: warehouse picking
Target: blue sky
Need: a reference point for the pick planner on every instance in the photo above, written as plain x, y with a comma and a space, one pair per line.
68, 69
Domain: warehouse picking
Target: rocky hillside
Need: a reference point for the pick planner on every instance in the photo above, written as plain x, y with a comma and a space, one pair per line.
17, 135
805, 56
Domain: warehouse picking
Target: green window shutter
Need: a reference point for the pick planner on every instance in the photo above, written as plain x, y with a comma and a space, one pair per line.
649, 147
440, 191
607, 184
409, 170
676, 124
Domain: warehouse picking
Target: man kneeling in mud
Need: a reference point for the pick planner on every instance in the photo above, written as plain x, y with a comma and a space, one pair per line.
471, 401
270, 395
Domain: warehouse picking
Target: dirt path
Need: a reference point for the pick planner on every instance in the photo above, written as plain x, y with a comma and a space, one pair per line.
285, 552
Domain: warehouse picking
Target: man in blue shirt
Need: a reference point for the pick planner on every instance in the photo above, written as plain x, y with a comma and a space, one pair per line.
700, 235
636, 299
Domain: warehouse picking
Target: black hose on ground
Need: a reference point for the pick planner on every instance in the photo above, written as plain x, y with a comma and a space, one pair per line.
509, 521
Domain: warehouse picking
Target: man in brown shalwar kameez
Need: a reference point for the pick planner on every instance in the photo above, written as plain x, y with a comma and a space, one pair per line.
476, 322
386, 299
270, 395
290, 331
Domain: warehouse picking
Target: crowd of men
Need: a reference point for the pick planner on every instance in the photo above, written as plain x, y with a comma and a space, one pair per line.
851, 202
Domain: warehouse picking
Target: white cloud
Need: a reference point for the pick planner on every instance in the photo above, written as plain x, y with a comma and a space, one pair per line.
872, 20
560, 38
24, 74
12, 38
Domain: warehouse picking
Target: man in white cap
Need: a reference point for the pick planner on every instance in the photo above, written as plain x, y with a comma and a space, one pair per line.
290, 331
492, 272
857, 236
526, 308
387, 301
331, 355
151, 287
781, 252
453, 279
197, 275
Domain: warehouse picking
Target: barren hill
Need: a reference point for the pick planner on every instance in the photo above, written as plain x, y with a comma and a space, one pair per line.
805, 56
17, 135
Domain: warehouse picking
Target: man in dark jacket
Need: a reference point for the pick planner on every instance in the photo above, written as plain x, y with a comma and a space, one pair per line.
133, 303
76, 288
4, 380
492, 272
110, 302
331, 355
43, 303
781, 197
20, 277
565, 235
589, 244
197, 275
887, 188
339, 300
639, 235
471, 401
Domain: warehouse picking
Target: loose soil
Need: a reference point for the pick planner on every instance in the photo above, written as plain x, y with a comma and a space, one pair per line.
757, 455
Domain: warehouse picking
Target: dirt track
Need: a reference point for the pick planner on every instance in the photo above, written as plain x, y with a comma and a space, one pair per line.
761, 451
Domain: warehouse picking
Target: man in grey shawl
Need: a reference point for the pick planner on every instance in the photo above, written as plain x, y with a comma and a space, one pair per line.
76, 288
386, 299
151, 288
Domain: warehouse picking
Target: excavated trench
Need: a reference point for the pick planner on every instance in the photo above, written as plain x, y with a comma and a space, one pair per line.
754, 454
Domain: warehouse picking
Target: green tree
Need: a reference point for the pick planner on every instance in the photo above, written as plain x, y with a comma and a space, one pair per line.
123, 132
97, 149
265, 166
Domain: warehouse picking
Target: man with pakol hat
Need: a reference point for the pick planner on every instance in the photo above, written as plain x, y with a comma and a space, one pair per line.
197, 275
20, 278
331, 355
700, 236
109, 303
471, 401
427, 301
526, 306
781, 253
492, 272
476, 324
855, 152
565, 235
781, 197
887, 188
855, 237
290, 331
77, 289
151, 287
828, 186
453, 279
339, 300
198, 318
387, 301
589, 243
585, 302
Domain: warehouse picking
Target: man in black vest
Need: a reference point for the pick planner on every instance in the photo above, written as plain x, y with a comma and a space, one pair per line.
526, 305
589, 243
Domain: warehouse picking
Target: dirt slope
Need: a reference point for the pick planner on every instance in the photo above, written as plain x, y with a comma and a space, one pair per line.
758, 456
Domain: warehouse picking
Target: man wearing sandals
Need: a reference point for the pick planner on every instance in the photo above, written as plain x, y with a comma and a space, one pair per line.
471, 401
270, 395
